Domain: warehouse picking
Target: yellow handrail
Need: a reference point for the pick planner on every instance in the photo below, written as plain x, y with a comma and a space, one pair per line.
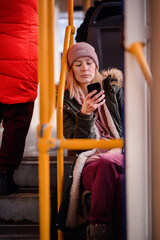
47, 107
52, 86
70, 19
61, 86
76, 144
43, 59
137, 49
60, 98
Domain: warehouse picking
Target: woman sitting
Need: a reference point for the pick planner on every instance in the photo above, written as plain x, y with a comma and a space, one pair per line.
93, 116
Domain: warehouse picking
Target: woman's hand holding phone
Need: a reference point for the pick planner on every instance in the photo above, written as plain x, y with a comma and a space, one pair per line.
93, 100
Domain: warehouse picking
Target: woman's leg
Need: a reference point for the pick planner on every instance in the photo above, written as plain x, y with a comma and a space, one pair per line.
101, 178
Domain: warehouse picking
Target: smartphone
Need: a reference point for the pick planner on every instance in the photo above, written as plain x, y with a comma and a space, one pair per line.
94, 86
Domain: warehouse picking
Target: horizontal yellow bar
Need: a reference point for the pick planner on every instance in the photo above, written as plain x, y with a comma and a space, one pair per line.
86, 143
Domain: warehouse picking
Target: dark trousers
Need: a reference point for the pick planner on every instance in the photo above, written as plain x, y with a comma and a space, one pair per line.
16, 120
104, 179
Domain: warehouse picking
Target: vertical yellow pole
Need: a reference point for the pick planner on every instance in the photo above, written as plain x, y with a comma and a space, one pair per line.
44, 172
70, 17
44, 195
52, 87
60, 162
60, 176
43, 59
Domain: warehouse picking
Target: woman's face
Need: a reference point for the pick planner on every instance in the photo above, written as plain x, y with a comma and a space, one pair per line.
84, 70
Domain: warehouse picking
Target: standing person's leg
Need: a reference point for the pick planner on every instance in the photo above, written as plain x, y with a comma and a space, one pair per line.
16, 122
100, 177
0, 112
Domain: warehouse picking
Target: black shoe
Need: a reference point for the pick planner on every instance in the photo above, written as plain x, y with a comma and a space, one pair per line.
100, 232
7, 184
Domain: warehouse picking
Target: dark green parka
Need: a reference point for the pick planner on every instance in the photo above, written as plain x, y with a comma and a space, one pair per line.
78, 125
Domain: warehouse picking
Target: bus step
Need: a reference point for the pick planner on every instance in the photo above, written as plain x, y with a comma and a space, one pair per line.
27, 173
23, 231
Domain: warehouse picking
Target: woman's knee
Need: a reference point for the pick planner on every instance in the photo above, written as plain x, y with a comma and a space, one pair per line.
104, 161
106, 166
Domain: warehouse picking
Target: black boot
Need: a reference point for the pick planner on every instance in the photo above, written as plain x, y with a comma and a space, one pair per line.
7, 184
99, 232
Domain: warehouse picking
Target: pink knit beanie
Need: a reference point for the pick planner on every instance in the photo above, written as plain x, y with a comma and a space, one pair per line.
82, 49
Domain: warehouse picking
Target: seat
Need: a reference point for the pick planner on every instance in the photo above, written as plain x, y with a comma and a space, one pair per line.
105, 34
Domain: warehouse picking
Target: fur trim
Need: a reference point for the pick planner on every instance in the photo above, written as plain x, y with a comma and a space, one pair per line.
115, 74
72, 219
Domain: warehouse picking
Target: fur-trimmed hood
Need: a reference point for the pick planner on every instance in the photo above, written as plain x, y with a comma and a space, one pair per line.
114, 75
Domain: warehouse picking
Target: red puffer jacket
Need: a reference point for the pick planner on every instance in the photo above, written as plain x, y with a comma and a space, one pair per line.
18, 51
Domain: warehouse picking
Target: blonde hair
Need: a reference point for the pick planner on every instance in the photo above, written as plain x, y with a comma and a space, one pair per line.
73, 85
